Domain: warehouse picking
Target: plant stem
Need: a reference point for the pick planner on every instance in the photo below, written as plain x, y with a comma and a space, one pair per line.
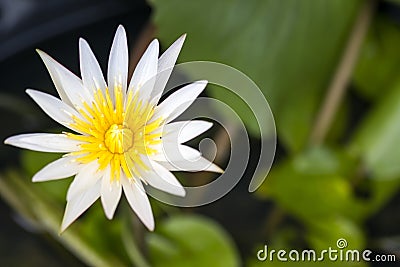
32, 205
343, 73
130, 242
134, 253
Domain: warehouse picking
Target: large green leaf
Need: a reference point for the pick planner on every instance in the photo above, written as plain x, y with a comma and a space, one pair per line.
191, 241
289, 48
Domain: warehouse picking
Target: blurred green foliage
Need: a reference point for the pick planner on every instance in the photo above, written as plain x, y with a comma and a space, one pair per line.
318, 174
379, 60
99, 242
290, 48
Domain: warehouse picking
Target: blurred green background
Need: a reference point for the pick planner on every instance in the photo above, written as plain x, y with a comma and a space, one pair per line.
330, 71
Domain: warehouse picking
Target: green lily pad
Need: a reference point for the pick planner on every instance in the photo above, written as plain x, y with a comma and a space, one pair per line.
191, 241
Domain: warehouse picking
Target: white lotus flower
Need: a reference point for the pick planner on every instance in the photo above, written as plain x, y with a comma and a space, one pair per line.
121, 137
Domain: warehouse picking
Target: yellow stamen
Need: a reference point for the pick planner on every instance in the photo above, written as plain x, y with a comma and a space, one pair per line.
116, 137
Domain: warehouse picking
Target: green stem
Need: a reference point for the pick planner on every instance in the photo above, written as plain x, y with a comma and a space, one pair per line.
343, 73
23, 197
132, 248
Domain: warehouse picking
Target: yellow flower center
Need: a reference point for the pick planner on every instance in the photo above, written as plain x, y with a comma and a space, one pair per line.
116, 133
118, 139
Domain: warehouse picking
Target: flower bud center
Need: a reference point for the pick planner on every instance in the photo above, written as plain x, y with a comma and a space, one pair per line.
118, 139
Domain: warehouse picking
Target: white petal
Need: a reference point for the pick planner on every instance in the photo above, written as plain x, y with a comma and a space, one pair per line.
79, 204
160, 178
52, 66
61, 168
200, 164
165, 66
110, 194
138, 201
145, 72
179, 101
68, 85
92, 76
86, 178
118, 62
44, 142
54, 108
176, 152
183, 131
